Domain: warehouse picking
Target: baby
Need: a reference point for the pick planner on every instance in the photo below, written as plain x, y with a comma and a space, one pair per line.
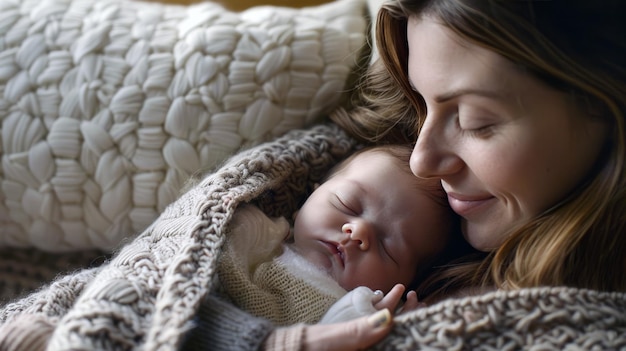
370, 228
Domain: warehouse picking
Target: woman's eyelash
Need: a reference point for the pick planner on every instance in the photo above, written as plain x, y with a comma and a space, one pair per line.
481, 131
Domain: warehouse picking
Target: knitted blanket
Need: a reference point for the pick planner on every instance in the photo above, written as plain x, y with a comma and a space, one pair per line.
146, 295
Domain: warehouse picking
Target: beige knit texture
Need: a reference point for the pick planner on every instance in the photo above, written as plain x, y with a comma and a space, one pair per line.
262, 274
107, 106
146, 295
273, 292
545, 318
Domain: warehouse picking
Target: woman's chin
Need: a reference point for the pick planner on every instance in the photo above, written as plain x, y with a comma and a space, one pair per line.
482, 237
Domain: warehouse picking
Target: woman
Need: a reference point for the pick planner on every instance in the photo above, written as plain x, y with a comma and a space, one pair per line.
520, 112
519, 107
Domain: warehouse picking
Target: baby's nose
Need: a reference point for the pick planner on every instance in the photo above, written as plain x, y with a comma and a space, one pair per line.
359, 232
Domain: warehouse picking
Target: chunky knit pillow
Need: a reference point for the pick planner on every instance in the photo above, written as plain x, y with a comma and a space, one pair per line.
107, 106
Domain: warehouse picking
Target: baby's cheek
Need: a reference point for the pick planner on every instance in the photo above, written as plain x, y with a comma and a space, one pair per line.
384, 277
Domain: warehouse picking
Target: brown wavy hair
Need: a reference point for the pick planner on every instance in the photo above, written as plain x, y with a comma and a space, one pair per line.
575, 46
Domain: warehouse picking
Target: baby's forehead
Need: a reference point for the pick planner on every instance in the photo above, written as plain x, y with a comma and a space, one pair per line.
429, 186
351, 167
364, 156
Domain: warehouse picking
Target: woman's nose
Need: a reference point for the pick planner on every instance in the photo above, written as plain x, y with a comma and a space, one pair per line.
359, 232
434, 156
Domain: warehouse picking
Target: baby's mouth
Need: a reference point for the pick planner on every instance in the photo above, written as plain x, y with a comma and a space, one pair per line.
336, 250
342, 255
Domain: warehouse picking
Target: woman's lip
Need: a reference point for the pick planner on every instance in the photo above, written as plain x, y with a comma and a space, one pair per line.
466, 205
336, 251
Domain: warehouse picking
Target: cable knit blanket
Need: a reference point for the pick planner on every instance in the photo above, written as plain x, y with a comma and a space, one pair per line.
146, 295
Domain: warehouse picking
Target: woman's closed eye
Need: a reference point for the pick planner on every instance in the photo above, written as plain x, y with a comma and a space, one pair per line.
476, 127
477, 122
480, 132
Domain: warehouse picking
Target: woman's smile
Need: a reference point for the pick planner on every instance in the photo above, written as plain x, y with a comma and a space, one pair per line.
465, 205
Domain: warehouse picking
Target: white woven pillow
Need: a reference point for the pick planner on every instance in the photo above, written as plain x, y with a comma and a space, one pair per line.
107, 106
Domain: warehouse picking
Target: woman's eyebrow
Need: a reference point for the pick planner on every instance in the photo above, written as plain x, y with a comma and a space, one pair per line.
464, 91
469, 91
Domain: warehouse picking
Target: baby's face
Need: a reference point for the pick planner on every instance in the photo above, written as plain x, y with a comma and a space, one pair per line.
371, 225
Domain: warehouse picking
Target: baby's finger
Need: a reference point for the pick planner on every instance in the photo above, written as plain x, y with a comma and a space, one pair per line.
377, 297
392, 299
411, 302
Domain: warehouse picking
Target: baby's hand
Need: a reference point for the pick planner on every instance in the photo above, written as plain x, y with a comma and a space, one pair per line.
393, 299
362, 301
411, 303
356, 303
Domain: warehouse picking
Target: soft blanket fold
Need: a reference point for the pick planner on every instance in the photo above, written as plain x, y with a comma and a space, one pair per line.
147, 294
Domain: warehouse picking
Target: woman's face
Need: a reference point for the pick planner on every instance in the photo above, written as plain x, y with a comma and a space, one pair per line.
505, 145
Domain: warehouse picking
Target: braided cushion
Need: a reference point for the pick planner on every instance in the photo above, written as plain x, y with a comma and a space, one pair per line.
107, 106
